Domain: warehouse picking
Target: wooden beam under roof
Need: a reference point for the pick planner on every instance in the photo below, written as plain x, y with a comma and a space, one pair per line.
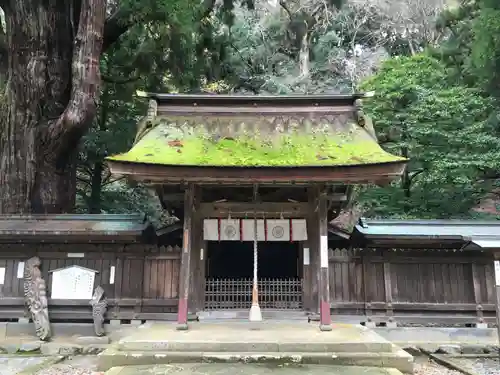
242, 210
161, 174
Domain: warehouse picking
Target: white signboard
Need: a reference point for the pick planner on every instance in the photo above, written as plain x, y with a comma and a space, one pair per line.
497, 272
112, 275
324, 251
72, 283
76, 255
2, 275
249, 230
299, 230
307, 259
20, 270
211, 230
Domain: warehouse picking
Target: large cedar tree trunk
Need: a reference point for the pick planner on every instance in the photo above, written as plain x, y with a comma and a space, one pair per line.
51, 95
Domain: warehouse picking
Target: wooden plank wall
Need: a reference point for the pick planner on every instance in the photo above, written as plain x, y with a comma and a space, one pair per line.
413, 286
410, 287
145, 285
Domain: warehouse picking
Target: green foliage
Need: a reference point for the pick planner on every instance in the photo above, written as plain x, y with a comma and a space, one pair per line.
454, 50
435, 107
113, 131
264, 55
445, 129
485, 54
171, 46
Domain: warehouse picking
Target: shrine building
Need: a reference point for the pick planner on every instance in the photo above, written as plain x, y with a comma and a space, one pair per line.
280, 167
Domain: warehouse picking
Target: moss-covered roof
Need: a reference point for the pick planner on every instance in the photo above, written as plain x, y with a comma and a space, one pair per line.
167, 143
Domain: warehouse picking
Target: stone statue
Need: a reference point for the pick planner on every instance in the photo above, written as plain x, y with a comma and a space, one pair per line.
99, 307
35, 297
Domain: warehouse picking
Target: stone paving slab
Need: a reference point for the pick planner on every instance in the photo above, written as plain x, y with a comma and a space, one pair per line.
245, 369
262, 337
439, 335
398, 359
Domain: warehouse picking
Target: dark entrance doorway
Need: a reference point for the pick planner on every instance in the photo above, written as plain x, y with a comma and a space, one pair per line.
230, 275
234, 260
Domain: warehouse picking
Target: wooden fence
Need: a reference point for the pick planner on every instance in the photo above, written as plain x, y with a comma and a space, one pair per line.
413, 286
144, 286
408, 286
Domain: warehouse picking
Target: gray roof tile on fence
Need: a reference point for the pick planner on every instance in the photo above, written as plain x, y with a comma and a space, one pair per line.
429, 227
481, 233
69, 225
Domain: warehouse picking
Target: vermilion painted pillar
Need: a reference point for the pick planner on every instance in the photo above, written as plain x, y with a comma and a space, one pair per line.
185, 274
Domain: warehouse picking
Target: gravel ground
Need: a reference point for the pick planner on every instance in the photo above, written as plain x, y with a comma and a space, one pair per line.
482, 366
12, 365
87, 365
80, 365
424, 366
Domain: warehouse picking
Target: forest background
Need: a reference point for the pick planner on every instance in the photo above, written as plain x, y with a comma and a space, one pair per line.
434, 66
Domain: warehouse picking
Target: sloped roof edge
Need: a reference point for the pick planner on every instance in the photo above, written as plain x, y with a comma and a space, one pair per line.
470, 234
75, 228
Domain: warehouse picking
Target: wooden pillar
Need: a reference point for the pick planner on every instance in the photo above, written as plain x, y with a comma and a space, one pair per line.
324, 279
194, 303
203, 269
313, 245
306, 276
185, 274
497, 290
367, 290
477, 295
389, 308
317, 235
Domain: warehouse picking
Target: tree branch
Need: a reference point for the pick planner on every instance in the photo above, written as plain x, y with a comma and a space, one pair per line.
83, 181
85, 168
116, 25
63, 134
415, 174
107, 177
286, 9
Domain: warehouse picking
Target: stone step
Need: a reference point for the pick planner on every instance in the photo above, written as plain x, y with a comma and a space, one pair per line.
261, 337
398, 359
166, 346
249, 369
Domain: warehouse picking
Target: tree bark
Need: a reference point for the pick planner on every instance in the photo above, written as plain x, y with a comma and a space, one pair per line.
96, 188
52, 90
304, 56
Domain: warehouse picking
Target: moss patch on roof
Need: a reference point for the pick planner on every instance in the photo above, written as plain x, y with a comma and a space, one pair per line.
166, 145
